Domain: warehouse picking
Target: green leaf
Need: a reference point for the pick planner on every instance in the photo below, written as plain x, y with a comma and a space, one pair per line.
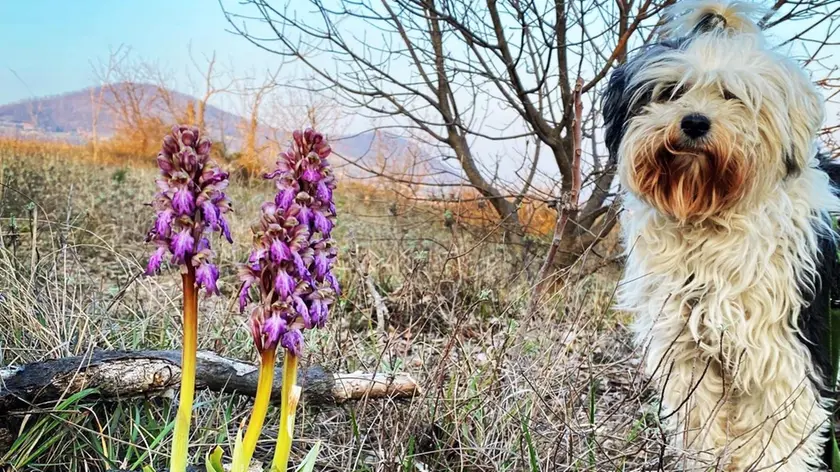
148, 468
238, 453
160, 437
533, 458
835, 453
214, 460
308, 464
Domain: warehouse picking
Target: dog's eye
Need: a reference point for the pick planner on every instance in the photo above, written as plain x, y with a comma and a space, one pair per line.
669, 93
727, 95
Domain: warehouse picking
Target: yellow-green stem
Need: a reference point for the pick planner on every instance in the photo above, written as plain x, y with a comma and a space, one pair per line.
261, 401
287, 415
181, 433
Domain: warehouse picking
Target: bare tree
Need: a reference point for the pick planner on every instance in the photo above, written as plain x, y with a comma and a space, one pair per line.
459, 73
179, 108
298, 108
103, 72
443, 68
131, 98
213, 82
254, 94
34, 107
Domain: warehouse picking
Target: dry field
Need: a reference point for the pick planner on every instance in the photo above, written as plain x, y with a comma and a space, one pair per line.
505, 388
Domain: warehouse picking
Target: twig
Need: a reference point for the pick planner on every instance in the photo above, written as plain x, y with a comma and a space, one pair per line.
378, 305
569, 203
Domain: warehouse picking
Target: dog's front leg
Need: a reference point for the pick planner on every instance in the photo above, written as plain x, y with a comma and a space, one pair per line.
694, 397
781, 427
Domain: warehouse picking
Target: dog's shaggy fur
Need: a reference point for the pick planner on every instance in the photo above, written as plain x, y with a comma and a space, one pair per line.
728, 238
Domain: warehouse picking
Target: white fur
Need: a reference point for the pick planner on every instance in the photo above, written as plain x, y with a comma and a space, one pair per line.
717, 299
680, 18
736, 313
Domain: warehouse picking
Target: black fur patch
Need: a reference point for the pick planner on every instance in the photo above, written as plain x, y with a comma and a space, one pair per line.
616, 109
830, 167
813, 320
791, 167
708, 23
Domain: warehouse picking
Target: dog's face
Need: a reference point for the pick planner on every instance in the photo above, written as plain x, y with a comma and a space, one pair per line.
706, 124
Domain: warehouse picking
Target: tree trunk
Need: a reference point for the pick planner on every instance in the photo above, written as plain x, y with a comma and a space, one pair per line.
199, 114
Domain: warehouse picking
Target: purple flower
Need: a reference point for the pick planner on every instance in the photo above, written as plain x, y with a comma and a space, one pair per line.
300, 266
163, 223
304, 216
204, 146
225, 229
210, 213
170, 145
330, 278
280, 251
284, 284
188, 159
213, 176
206, 275
183, 202
245, 295
323, 192
322, 224
303, 311
318, 308
291, 242
322, 265
188, 136
155, 260
182, 245
285, 198
293, 341
273, 329
311, 175
203, 246
165, 163
190, 203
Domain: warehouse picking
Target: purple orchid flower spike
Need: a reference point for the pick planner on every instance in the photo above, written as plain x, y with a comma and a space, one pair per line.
291, 263
290, 267
190, 203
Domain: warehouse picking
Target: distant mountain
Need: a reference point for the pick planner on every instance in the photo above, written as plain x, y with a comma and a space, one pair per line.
69, 117
71, 114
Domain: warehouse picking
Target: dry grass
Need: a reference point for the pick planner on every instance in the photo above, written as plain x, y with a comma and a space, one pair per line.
504, 389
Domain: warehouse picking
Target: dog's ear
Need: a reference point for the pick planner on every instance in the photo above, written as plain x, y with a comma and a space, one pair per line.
615, 108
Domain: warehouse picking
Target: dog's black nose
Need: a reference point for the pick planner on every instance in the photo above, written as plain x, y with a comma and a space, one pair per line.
695, 125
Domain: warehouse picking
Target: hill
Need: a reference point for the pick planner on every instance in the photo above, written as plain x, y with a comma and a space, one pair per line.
69, 117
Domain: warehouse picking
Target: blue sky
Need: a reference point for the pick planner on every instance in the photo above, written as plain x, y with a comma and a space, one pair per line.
48, 47
48, 44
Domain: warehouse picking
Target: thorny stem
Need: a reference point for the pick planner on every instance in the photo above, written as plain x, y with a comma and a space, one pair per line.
181, 434
261, 401
287, 414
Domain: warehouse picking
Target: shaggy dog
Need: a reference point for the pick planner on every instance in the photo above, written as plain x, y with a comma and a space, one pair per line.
728, 238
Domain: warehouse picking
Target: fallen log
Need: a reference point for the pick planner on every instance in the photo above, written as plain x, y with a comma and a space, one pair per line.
126, 374
121, 374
